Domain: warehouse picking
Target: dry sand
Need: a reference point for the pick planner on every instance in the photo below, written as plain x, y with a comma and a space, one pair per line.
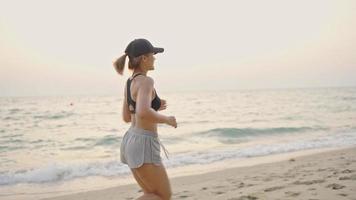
328, 175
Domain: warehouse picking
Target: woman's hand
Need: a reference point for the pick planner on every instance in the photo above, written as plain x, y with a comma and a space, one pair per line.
171, 120
163, 104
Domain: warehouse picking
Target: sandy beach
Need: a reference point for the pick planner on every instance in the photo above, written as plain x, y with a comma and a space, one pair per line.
327, 175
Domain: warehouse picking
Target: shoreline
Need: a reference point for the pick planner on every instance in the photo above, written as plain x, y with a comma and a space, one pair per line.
324, 174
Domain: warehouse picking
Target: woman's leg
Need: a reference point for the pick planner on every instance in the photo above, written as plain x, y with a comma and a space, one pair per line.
154, 180
147, 195
144, 188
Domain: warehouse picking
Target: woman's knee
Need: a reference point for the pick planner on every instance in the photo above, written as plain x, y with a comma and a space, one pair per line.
156, 179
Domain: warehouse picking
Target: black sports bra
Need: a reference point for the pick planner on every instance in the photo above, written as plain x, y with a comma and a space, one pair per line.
155, 104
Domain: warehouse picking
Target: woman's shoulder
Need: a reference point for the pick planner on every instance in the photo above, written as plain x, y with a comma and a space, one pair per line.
145, 80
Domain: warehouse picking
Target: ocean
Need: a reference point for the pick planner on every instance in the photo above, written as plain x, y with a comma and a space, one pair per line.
61, 144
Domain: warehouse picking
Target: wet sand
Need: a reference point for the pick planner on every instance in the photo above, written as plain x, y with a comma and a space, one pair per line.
328, 175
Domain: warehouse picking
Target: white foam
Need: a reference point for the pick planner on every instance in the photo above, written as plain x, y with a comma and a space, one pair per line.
215, 155
63, 171
55, 172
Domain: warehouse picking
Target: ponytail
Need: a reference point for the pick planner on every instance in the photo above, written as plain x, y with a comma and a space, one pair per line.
119, 64
134, 62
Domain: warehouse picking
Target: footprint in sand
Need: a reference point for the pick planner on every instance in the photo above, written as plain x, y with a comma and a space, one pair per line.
346, 171
219, 186
248, 197
292, 194
308, 182
219, 192
267, 179
249, 185
240, 185
273, 188
204, 188
335, 186
342, 194
352, 177
183, 196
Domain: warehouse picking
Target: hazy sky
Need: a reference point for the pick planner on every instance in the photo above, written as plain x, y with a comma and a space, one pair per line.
67, 47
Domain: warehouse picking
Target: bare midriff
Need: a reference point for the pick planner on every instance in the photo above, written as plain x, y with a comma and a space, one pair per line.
143, 123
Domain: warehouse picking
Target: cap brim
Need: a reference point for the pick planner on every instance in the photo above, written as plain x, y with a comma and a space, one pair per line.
157, 50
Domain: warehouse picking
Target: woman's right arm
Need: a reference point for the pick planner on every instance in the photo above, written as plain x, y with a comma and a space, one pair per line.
143, 103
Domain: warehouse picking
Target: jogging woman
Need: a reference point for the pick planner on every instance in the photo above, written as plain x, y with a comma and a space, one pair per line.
140, 147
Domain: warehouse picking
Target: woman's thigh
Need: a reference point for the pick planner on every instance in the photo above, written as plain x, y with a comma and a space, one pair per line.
153, 179
144, 187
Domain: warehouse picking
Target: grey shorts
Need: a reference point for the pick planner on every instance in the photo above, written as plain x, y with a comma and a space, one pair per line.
140, 146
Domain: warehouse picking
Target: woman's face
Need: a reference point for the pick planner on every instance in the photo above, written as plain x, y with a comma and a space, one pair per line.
148, 61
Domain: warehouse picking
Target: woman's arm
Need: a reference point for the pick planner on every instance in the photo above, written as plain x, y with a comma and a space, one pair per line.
143, 103
126, 115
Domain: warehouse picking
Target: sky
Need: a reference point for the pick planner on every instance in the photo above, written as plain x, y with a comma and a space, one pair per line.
67, 47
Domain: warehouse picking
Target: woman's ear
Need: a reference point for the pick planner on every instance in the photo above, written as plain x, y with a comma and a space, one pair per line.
144, 58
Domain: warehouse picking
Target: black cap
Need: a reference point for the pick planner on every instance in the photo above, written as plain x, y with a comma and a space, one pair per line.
141, 46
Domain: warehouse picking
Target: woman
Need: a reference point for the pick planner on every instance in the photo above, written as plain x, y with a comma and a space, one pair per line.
140, 147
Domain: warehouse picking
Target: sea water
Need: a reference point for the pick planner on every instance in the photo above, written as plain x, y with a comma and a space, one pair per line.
61, 144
